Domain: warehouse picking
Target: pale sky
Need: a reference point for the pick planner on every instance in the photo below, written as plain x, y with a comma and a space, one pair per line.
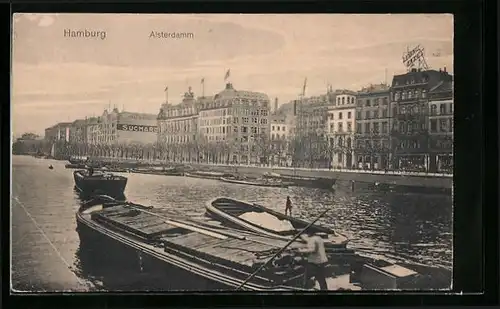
56, 78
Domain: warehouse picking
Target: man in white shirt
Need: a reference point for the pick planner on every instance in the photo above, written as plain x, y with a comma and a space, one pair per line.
316, 257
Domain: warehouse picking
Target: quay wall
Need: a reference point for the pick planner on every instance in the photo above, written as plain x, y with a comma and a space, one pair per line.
437, 181
444, 182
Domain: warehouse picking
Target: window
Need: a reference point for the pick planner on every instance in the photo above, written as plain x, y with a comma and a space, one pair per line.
349, 127
263, 112
416, 94
384, 127
367, 102
245, 119
273, 128
278, 128
442, 109
340, 158
348, 115
403, 95
235, 129
358, 115
384, 101
263, 121
376, 102
443, 125
375, 114
396, 96
367, 115
424, 93
367, 127
338, 101
343, 100
433, 125
451, 108
254, 120
384, 113
283, 129
394, 111
332, 129
358, 129
340, 128
360, 103
340, 115
450, 124
375, 127
433, 110
244, 129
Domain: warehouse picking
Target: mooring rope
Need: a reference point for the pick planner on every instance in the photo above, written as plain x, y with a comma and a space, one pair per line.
15, 198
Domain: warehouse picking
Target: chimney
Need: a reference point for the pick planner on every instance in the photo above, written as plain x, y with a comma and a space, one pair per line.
275, 104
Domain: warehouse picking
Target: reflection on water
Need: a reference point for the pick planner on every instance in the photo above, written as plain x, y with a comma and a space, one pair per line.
408, 226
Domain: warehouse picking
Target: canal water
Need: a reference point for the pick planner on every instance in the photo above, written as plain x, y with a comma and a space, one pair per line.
46, 253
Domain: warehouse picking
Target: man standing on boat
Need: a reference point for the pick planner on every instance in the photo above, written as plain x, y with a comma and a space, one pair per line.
288, 206
316, 258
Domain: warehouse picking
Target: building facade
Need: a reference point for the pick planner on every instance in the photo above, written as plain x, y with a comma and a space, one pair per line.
410, 105
178, 129
309, 143
373, 127
235, 126
279, 140
441, 128
123, 128
340, 128
58, 132
78, 131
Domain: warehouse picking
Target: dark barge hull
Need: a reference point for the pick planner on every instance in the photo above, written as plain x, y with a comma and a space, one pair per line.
176, 268
89, 186
125, 267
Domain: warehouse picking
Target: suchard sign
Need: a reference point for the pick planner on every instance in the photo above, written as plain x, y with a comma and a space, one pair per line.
137, 128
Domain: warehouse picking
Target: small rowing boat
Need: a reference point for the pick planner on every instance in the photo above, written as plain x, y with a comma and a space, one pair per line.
265, 221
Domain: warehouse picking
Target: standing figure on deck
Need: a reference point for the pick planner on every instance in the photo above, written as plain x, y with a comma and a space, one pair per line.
316, 258
288, 206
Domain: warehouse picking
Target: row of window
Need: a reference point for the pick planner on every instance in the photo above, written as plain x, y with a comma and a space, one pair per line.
277, 136
180, 139
345, 100
372, 144
373, 128
373, 114
340, 127
445, 125
340, 116
410, 94
223, 103
373, 102
278, 128
444, 109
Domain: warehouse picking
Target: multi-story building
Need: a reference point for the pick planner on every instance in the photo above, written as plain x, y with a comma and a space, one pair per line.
93, 130
78, 131
235, 126
441, 127
178, 128
373, 127
60, 131
279, 141
115, 127
410, 106
340, 128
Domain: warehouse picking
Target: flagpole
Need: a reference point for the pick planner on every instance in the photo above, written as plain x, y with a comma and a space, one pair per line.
166, 94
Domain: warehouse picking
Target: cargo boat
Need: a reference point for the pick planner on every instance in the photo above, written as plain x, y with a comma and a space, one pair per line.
303, 181
99, 183
202, 258
207, 175
233, 213
182, 253
256, 182
76, 165
172, 171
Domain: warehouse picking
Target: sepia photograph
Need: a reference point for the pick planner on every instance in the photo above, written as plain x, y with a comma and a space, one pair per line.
233, 152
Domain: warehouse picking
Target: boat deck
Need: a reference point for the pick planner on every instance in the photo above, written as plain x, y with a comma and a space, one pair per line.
238, 252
